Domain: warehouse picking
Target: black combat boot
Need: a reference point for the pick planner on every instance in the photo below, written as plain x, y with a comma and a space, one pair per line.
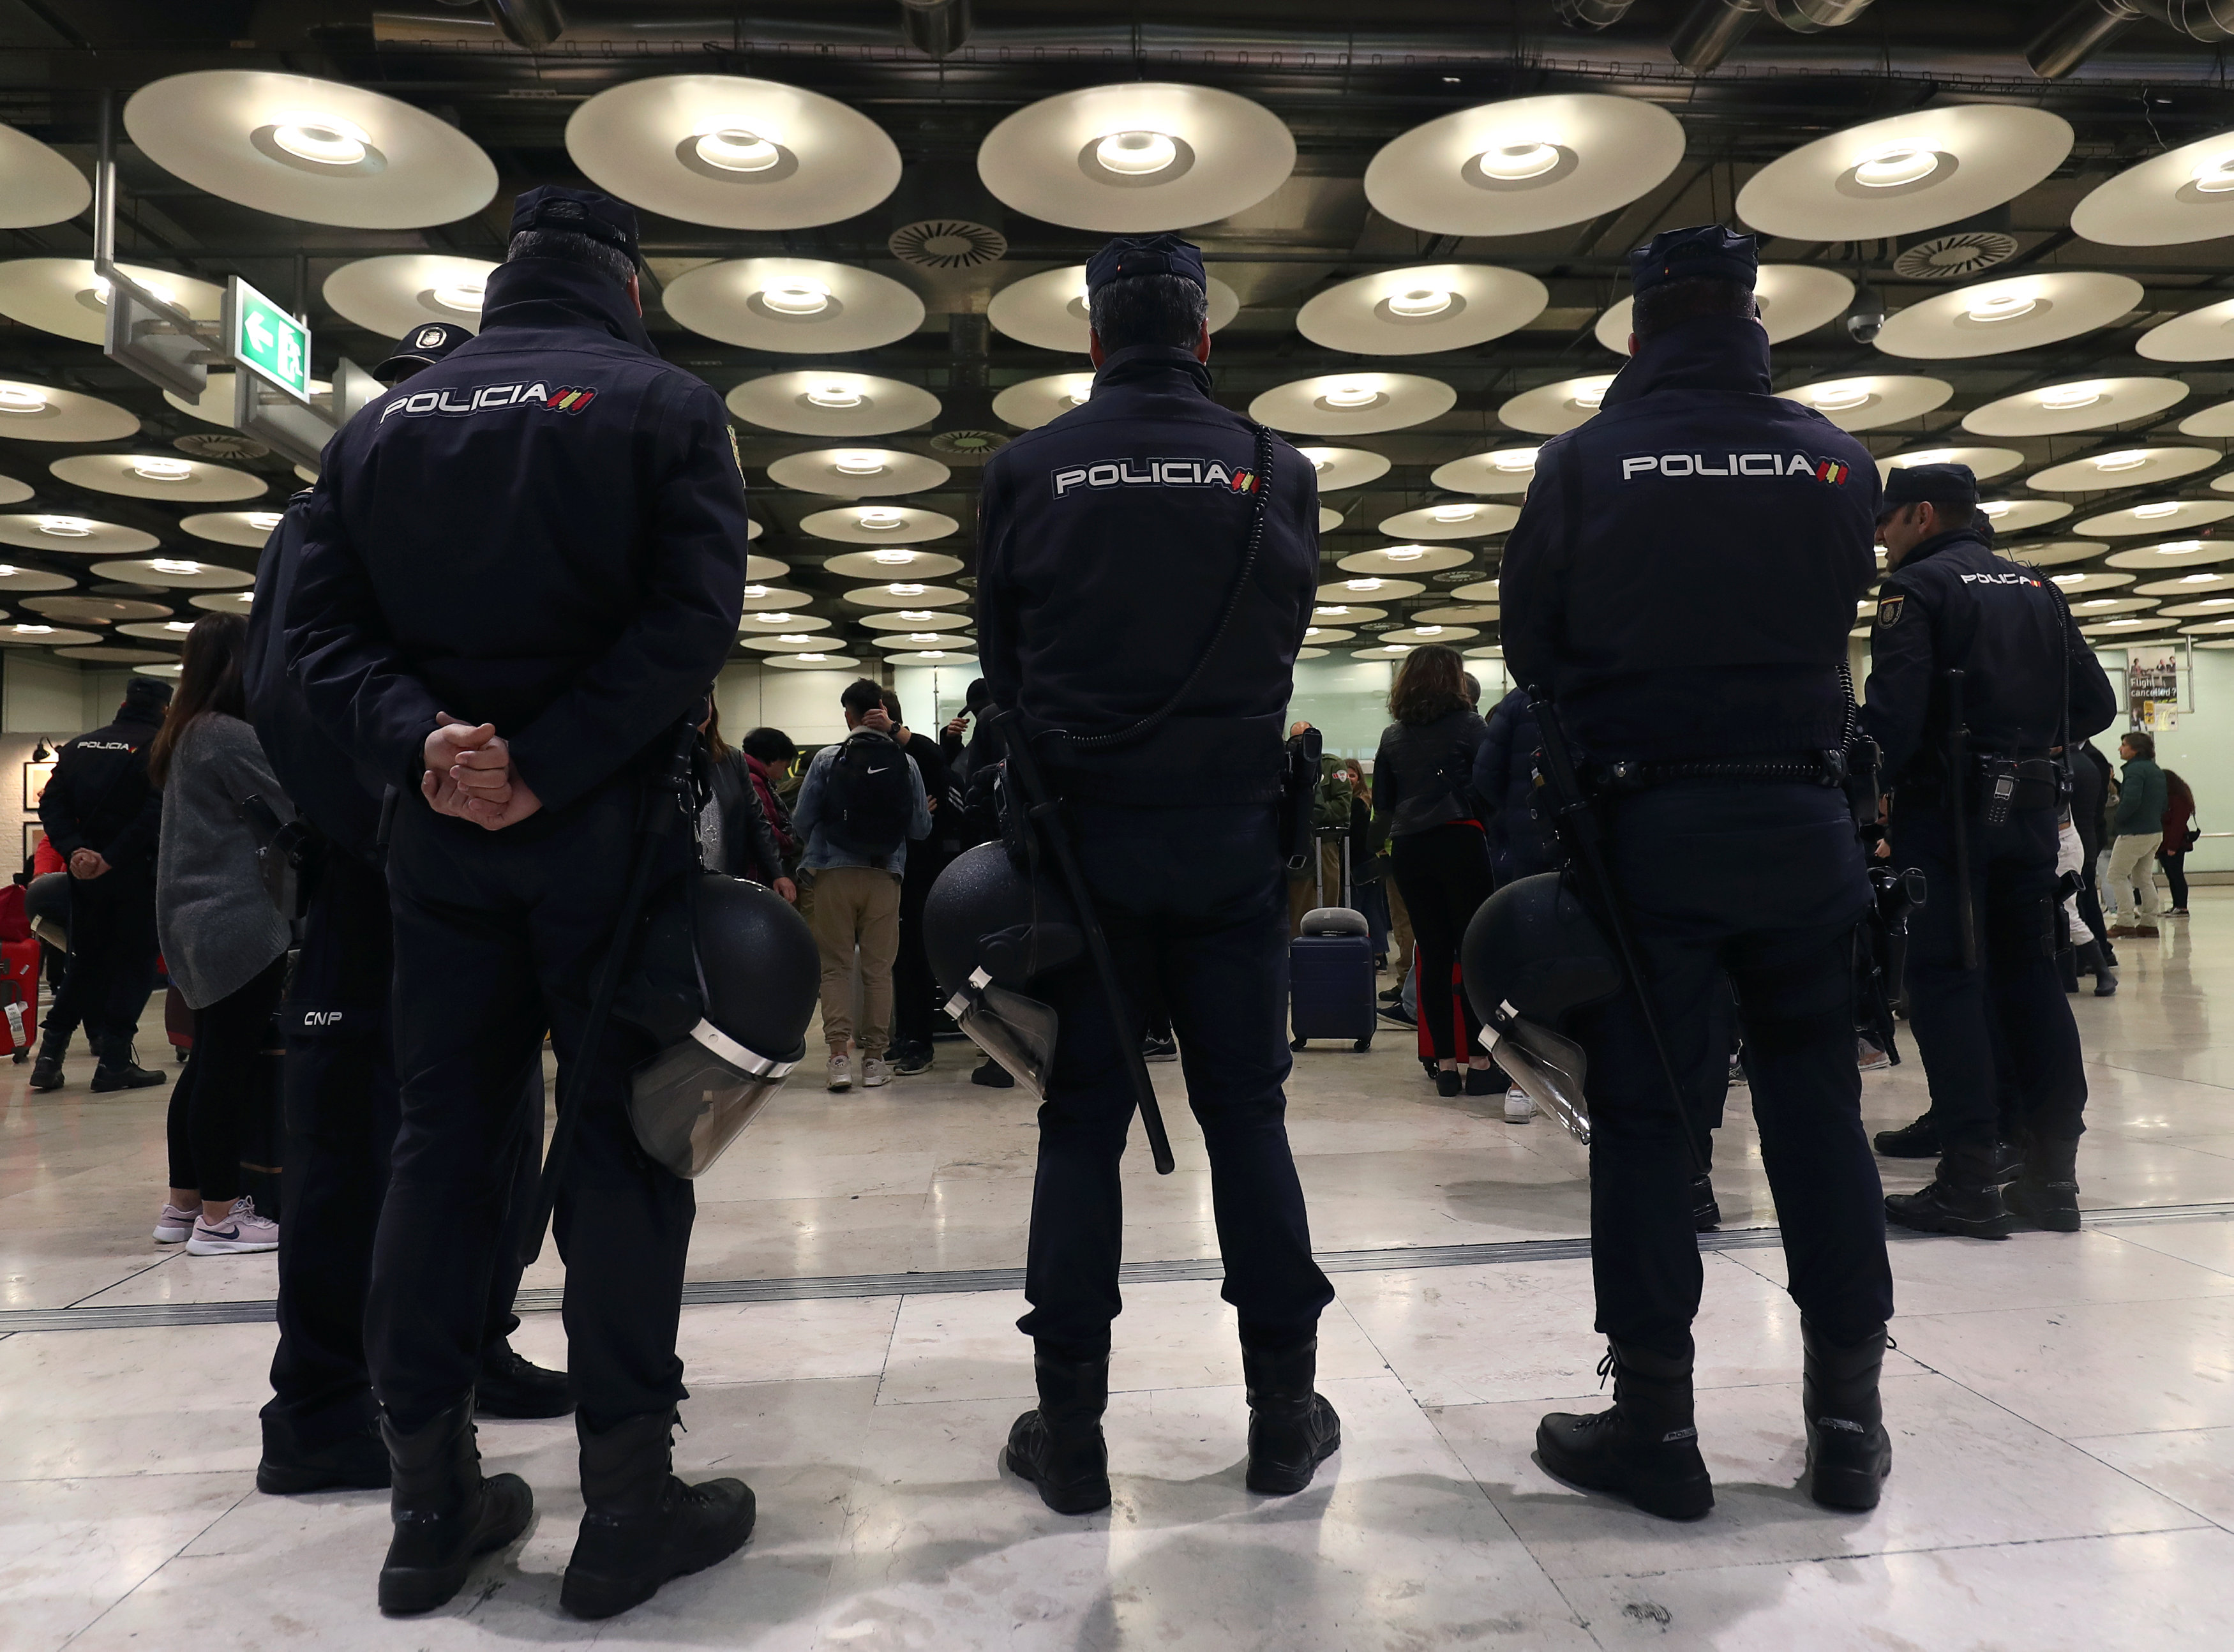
510, 1386
1646, 1449
1917, 1140
47, 1069
2046, 1192
1849, 1453
641, 1525
1706, 1209
447, 1515
1965, 1197
1059, 1447
120, 1067
357, 1461
1292, 1429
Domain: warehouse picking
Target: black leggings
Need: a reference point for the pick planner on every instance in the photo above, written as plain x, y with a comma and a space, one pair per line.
220, 1077
1443, 874
2176, 874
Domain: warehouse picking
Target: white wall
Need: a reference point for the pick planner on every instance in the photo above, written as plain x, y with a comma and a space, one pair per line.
2199, 745
42, 697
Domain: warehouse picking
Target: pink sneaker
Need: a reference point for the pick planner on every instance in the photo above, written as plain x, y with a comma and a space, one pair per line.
241, 1232
174, 1225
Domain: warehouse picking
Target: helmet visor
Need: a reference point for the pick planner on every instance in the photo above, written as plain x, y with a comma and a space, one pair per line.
1550, 1067
1016, 1031
694, 1097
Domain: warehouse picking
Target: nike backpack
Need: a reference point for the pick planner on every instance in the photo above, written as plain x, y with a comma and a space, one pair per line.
868, 797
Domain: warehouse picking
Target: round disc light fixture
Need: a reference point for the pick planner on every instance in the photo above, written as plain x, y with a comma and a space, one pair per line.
1502, 470
1525, 164
78, 535
2157, 516
1366, 588
1550, 409
858, 473
249, 529
1140, 157
833, 402
1405, 560
1353, 404
186, 573
390, 296
1036, 401
2204, 334
917, 619
1873, 400
794, 306
2124, 467
2017, 515
1340, 467
315, 150
1454, 519
2017, 312
1048, 310
37, 186
735, 154
894, 562
1418, 310
2081, 404
1984, 461
908, 594
38, 412
2053, 553
68, 298
1793, 298
2183, 194
2170, 556
814, 661
878, 525
32, 632
157, 476
1908, 172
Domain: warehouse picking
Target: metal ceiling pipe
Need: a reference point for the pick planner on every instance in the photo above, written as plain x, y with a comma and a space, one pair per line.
1593, 13
1705, 37
2208, 21
2077, 33
531, 24
1813, 16
936, 27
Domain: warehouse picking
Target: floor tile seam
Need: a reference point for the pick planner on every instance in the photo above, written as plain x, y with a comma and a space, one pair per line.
2200, 1525
2143, 1244
140, 1582
2127, 1474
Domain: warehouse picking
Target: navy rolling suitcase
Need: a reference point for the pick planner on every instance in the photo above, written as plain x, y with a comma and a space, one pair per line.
1330, 978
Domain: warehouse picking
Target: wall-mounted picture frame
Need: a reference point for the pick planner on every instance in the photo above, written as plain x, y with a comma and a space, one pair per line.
33, 833
35, 776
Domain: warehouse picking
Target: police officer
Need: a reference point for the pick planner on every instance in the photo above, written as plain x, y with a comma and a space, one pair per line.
104, 818
520, 571
321, 1428
1682, 579
1996, 1022
1145, 632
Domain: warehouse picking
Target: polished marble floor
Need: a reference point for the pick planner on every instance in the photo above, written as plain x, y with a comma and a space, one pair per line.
2062, 1406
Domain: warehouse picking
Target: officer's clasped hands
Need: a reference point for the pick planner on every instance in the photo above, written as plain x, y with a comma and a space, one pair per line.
470, 774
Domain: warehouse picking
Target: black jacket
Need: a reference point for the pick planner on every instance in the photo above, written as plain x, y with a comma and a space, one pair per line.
1953, 604
748, 845
1520, 844
1110, 540
1685, 572
546, 531
1423, 774
97, 797
2090, 779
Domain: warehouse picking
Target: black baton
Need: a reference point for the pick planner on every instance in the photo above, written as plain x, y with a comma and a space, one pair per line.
1958, 759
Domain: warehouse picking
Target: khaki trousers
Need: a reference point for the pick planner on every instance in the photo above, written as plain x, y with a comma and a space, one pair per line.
857, 906
2133, 874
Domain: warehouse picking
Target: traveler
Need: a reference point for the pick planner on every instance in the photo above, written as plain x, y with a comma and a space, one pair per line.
2138, 832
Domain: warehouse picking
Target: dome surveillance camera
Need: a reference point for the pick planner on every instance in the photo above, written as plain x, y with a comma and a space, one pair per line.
1865, 320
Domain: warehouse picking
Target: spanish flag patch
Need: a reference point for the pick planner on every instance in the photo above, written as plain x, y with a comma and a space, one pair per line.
1830, 471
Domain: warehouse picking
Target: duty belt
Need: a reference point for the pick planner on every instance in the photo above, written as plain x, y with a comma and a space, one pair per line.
2000, 782
1825, 767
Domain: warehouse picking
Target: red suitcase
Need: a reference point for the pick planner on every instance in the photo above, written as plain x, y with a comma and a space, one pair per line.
19, 998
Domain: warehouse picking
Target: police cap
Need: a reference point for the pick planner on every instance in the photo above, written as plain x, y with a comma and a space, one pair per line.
1952, 486
578, 211
1706, 252
151, 692
1143, 255
423, 346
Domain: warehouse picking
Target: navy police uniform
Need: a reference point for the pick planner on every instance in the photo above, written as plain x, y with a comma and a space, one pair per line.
1683, 579
1150, 487
2030, 687
544, 531
98, 797
339, 1080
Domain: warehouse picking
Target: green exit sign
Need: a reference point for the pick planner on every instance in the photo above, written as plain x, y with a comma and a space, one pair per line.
267, 340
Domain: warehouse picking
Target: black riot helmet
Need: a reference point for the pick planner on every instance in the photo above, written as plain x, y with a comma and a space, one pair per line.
990, 929
1533, 953
726, 983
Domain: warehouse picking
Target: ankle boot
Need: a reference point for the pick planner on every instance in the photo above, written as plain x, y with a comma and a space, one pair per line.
2046, 1192
446, 1514
1965, 1199
357, 1461
1059, 1447
511, 1385
120, 1067
1706, 1209
1292, 1429
641, 1525
1849, 1453
1646, 1449
47, 1069
1917, 1140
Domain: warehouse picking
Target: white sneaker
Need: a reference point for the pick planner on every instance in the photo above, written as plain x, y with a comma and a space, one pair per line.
242, 1232
174, 1226
841, 1072
1519, 1105
875, 1070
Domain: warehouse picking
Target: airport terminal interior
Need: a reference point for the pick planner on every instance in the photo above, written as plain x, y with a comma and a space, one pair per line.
1993, 232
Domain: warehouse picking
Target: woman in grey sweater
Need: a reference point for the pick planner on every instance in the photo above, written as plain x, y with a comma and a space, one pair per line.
225, 940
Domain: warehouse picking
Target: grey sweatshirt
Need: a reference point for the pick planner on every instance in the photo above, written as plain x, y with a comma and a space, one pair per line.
217, 922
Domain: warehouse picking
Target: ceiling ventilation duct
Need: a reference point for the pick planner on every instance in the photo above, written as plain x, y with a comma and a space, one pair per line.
2078, 33
1706, 35
1593, 13
532, 24
1813, 16
936, 27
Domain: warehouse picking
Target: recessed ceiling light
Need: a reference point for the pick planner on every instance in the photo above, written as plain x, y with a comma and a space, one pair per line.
325, 139
1367, 584
772, 619
1420, 303
917, 613
2214, 177
264, 520
1404, 552
1837, 398
2178, 548
2067, 578
1136, 155
1350, 395
907, 591
1514, 163
1429, 631
173, 565
894, 558
2150, 513
880, 517
736, 149
464, 296
795, 637
796, 296
17, 398
1889, 168
1450, 513
1995, 507
65, 527
1591, 395
810, 657
157, 469
858, 465
2099, 602
2002, 306
1320, 457
1309, 630
178, 624
2195, 579
923, 636
1327, 613
1513, 460
2063, 398
2132, 460
33, 630
1929, 456
834, 394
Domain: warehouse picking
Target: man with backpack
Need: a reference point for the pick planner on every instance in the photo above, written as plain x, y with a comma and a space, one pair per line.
861, 803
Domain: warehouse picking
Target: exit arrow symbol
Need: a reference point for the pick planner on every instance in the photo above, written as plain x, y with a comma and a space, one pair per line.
259, 335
